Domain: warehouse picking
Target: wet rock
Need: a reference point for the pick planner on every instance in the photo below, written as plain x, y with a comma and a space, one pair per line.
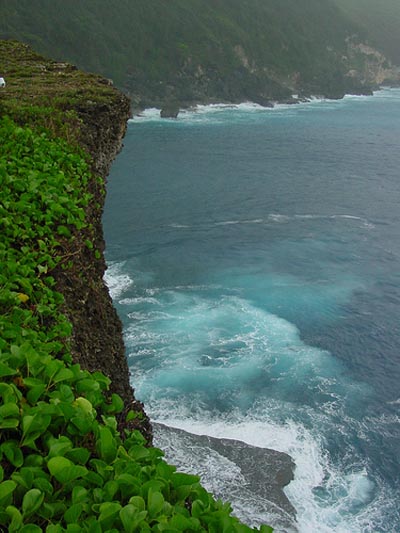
170, 110
253, 480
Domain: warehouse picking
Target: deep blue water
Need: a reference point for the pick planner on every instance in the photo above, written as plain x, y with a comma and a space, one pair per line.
254, 259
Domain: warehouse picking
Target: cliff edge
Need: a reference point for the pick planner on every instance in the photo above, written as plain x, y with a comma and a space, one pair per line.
88, 112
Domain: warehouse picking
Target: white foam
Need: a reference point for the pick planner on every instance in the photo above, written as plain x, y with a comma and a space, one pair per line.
228, 223
276, 217
326, 499
216, 112
149, 114
116, 281
280, 218
215, 108
178, 226
364, 221
242, 341
138, 300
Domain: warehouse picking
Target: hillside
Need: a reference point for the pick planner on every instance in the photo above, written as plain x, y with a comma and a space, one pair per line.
191, 51
380, 21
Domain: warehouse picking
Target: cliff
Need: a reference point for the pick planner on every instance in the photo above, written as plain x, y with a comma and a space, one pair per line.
57, 419
88, 111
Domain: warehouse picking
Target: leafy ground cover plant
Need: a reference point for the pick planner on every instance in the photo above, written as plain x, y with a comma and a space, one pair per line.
64, 466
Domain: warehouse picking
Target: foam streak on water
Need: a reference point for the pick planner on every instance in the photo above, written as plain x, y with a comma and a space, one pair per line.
254, 260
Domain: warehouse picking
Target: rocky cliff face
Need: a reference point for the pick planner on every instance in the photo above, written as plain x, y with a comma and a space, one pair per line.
369, 66
97, 340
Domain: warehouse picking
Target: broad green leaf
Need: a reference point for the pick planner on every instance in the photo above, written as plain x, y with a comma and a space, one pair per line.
197, 508
31, 502
151, 485
131, 517
116, 405
60, 447
179, 479
35, 393
72, 515
84, 386
180, 522
33, 459
64, 231
13, 453
31, 528
110, 489
165, 470
64, 470
64, 374
6, 490
9, 423
54, 528
95, 527
24, 477
9, 409
16, 518
83, 424
138, 502
44, 485
5, 370
33, 427
79, 494
107, 445
266, 529
57, 464
155, 503
78, 455
108, 513
85, 405
138, 452
75, 528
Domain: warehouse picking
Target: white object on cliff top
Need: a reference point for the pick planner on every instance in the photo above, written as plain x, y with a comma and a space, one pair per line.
2, 82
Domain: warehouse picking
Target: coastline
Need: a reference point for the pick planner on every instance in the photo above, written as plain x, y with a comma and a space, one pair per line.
207, 106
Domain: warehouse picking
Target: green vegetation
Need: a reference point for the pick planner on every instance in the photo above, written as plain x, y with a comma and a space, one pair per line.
67, 463
44, 93
196, 50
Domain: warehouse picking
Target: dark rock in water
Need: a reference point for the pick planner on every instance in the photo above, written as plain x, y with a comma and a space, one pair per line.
251, 478
170, 110
264, 102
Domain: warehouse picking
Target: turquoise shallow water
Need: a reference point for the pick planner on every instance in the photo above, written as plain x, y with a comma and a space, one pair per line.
254, 258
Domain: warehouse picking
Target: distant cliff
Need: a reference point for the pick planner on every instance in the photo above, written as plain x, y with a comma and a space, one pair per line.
181, 53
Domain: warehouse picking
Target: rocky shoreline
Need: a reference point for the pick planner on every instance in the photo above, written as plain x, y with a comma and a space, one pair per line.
172, 110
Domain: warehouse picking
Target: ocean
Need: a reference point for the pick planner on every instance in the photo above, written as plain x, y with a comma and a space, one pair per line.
254, 259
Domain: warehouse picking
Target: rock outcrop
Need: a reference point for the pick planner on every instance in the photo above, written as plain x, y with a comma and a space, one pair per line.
266, 471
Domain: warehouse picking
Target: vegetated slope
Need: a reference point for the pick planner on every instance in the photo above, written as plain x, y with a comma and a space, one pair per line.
200, 50
71, 458
380, 21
